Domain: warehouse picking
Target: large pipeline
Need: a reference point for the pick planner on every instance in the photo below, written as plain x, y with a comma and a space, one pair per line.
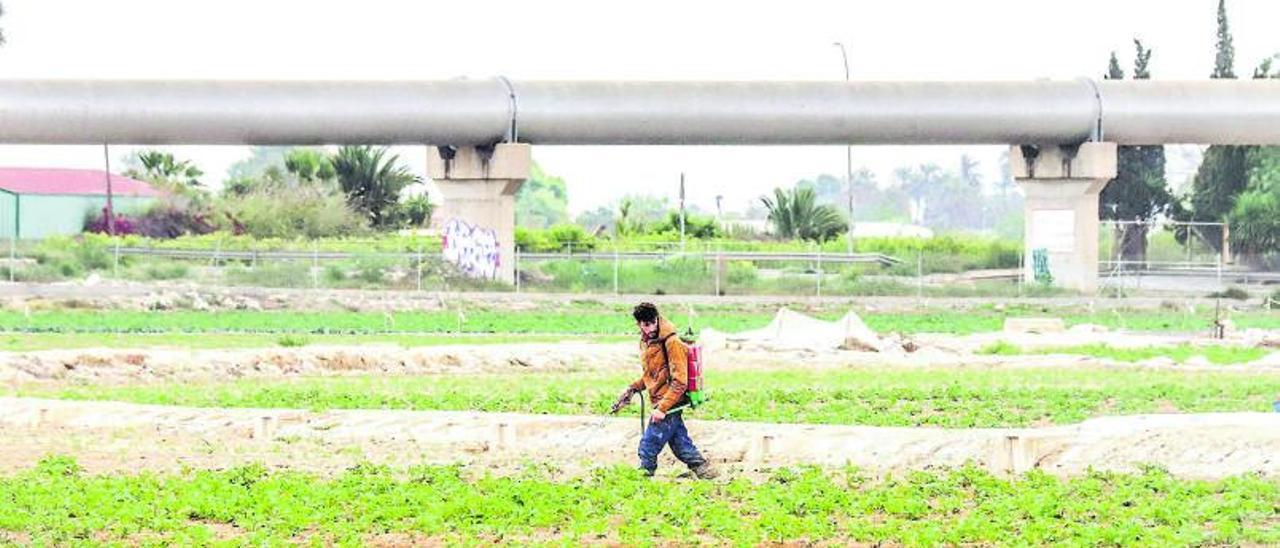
479, 112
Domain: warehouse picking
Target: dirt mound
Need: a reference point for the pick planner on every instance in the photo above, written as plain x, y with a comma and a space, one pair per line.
790, 330
1198, 446
107, 366
126, 366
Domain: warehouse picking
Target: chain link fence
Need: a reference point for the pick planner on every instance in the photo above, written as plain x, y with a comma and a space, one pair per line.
1135, 259
1167, 255
650, 268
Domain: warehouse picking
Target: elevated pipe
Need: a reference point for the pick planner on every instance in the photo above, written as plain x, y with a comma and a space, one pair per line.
481, 112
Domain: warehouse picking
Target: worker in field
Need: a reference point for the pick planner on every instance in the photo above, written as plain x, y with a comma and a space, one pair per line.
665, 377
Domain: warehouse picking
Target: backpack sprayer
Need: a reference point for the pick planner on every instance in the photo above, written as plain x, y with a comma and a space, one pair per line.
695, 389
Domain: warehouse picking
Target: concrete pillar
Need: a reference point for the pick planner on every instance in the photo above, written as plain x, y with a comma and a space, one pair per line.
1062, 184
479, 187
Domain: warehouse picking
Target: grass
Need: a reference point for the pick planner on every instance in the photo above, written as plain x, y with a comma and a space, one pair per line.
874, 397
56, 503
28, 342
1215, 354
583, 318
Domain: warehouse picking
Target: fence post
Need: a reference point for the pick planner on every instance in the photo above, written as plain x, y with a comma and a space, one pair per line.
1220, 269
719, 265
819, 270
419, 266
919, 273
1225, 254
516, 266
1022, 271
1188, 246
615, 269
13, 256
115, 266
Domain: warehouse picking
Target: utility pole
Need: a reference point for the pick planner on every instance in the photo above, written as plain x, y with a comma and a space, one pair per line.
111, 210
848, 153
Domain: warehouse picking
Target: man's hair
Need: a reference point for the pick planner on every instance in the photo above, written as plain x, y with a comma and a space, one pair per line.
645, 312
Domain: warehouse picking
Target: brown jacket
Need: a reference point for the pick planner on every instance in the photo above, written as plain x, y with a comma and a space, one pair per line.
666, 382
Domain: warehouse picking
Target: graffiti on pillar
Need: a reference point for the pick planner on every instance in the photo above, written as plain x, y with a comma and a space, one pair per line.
1040, 266
473, 249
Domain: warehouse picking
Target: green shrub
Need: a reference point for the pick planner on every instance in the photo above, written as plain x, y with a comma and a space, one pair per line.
32, 273
292, 341
742, 273
371, 270
166, 271
702, 227
334, 273
292, 213
1230, 293
288, 274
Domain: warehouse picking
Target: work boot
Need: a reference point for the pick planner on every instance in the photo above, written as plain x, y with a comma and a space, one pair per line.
705, 471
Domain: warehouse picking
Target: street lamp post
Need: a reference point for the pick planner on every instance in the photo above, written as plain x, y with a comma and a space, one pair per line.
848, 152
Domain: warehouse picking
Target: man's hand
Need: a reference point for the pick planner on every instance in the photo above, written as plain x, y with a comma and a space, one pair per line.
623, 400
657, 416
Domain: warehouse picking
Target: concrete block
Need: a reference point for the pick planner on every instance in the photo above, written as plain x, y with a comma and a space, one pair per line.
265, 427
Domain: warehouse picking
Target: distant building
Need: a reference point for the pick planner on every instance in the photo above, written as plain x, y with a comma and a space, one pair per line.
41, 202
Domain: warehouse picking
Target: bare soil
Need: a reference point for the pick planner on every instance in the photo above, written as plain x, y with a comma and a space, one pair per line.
113, 436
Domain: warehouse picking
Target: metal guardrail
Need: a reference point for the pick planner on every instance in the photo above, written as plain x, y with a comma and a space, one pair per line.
219, 255
878, 258
261, 255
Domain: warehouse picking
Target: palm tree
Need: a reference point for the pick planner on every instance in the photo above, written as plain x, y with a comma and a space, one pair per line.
622, 225
372, 181
796, 215
309, 165
162, 167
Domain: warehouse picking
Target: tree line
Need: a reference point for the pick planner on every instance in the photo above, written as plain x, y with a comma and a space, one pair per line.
1233, 184
277, 193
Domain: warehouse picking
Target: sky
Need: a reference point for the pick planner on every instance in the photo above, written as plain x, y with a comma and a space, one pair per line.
653, 40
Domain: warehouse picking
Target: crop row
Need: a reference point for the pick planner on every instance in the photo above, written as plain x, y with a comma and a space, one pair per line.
56, 503
1180, 353
872, 396
576, 321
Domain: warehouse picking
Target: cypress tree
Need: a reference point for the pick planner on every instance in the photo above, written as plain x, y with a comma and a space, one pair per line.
1139, 192
1224, 172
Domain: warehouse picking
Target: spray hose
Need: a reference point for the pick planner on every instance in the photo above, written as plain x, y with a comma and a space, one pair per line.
642, 421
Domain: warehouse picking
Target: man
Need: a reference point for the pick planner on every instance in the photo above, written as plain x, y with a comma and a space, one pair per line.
666, 377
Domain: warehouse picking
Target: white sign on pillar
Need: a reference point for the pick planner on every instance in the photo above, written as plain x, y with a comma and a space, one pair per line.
1054, 230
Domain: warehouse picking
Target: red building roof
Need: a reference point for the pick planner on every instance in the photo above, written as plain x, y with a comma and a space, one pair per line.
39, 180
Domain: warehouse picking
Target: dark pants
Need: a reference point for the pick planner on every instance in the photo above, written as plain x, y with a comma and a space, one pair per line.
669, 430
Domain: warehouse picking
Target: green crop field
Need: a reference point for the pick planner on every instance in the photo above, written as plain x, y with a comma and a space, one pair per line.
578, 319
57, 504
54, 502
27, 342
875, 397
1216, 354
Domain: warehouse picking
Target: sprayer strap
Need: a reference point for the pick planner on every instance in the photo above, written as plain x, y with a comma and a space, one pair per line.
665, 357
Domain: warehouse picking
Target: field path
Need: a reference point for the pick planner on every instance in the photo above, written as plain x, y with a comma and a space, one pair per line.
108, 436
